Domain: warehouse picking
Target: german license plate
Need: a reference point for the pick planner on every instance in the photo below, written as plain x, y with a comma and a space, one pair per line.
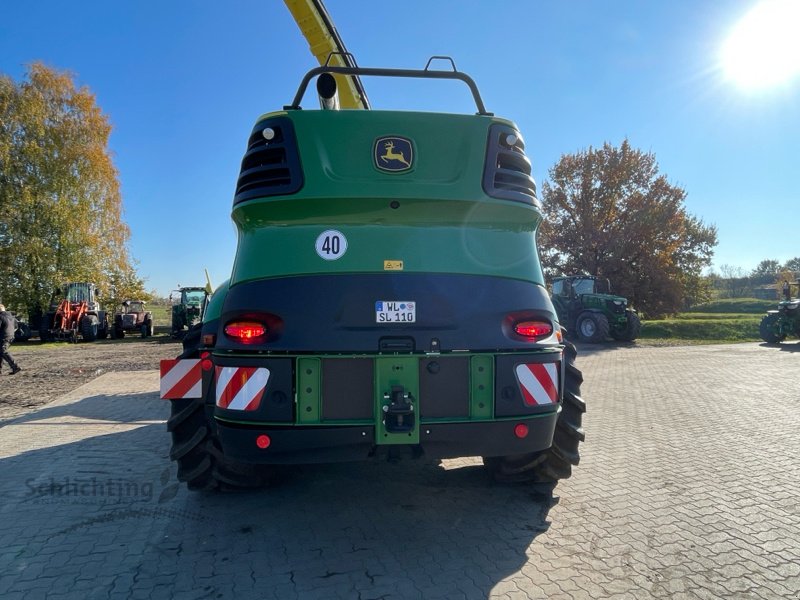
395, 311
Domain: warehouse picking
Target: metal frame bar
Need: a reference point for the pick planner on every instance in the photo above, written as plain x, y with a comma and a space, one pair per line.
425, 73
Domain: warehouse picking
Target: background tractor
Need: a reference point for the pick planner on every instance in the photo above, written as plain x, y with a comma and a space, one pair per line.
132, 315
77, 316
785, 321
188, 308
23, 331
590, 312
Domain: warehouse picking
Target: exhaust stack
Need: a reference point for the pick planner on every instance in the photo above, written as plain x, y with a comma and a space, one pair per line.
326, 89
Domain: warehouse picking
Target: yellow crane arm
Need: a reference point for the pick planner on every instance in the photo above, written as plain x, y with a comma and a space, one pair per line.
317, 27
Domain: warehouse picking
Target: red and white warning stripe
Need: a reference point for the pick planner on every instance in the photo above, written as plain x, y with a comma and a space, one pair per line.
181, 378
241, 388
539, 383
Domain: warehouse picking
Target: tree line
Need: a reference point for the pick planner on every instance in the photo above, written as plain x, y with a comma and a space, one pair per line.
735, 282
61, 216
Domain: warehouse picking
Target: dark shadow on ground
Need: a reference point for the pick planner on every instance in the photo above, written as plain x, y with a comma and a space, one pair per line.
783, 346
370, 530
103, 408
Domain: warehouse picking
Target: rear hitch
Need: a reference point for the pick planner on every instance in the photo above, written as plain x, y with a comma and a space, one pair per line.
398, 415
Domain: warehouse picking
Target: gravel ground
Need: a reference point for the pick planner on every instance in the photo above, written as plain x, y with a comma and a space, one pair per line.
51, 370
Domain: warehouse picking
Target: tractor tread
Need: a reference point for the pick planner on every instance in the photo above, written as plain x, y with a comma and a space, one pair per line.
179, 450
555, 463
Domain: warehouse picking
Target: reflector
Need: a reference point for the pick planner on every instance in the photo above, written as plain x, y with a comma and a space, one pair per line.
263, 441
521, 430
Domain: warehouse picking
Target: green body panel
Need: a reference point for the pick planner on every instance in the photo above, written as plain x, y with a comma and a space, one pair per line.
336, 154
216, 302
481, 386
434, 237
308, 390
434, 218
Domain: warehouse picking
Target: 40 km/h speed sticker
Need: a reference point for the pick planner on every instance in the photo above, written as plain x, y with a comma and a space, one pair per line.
331, 244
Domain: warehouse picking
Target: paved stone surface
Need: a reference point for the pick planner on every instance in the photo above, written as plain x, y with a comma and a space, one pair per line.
689, 487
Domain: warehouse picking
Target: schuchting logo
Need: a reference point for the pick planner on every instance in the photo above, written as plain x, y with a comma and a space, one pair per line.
393, 154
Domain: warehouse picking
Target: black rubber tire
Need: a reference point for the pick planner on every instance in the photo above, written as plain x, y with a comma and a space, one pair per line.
147, 329
632, 328
201, 463
592, 327
89, 327
768, 331
119, 332
555, 463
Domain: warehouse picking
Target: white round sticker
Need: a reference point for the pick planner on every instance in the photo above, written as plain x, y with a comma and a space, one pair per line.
331, 244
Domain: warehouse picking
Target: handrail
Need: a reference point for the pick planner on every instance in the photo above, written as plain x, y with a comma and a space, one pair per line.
378, 72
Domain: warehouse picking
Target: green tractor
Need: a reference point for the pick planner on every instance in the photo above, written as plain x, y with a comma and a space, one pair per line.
188, 306
386, 299
778, 324
587, 308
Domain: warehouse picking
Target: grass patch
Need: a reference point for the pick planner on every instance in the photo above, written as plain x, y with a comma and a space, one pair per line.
752, 306
728, 320
707, 330
690, 316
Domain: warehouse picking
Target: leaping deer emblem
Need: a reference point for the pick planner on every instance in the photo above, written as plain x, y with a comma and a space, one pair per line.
390, 154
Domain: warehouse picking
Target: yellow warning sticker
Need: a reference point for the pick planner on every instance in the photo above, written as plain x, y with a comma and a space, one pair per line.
393, 265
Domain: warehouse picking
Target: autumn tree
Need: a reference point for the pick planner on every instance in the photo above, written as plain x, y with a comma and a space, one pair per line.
609, 212
60, 204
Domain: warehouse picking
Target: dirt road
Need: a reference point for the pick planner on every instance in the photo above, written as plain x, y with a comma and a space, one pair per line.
51, 370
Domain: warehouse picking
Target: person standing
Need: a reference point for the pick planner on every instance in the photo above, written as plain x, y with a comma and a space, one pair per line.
786, 290
8, 325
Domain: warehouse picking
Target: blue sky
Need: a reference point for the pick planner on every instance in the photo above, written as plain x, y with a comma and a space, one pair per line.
183, 82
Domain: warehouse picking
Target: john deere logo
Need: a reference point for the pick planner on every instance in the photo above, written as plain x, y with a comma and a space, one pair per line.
393, 154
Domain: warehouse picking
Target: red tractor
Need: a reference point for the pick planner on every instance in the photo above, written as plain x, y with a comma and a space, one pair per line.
132, 315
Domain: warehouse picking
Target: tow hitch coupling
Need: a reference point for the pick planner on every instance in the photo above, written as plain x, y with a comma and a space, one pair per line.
398, 414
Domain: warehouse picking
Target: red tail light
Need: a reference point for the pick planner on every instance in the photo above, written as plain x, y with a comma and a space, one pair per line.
245, 331
533, 329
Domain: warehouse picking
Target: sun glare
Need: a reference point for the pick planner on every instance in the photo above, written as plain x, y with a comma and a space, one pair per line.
763, 49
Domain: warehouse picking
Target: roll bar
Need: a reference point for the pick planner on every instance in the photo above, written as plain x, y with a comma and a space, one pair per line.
426, 73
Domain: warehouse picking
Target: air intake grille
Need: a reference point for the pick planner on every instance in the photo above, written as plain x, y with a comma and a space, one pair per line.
507, 173
271, 165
